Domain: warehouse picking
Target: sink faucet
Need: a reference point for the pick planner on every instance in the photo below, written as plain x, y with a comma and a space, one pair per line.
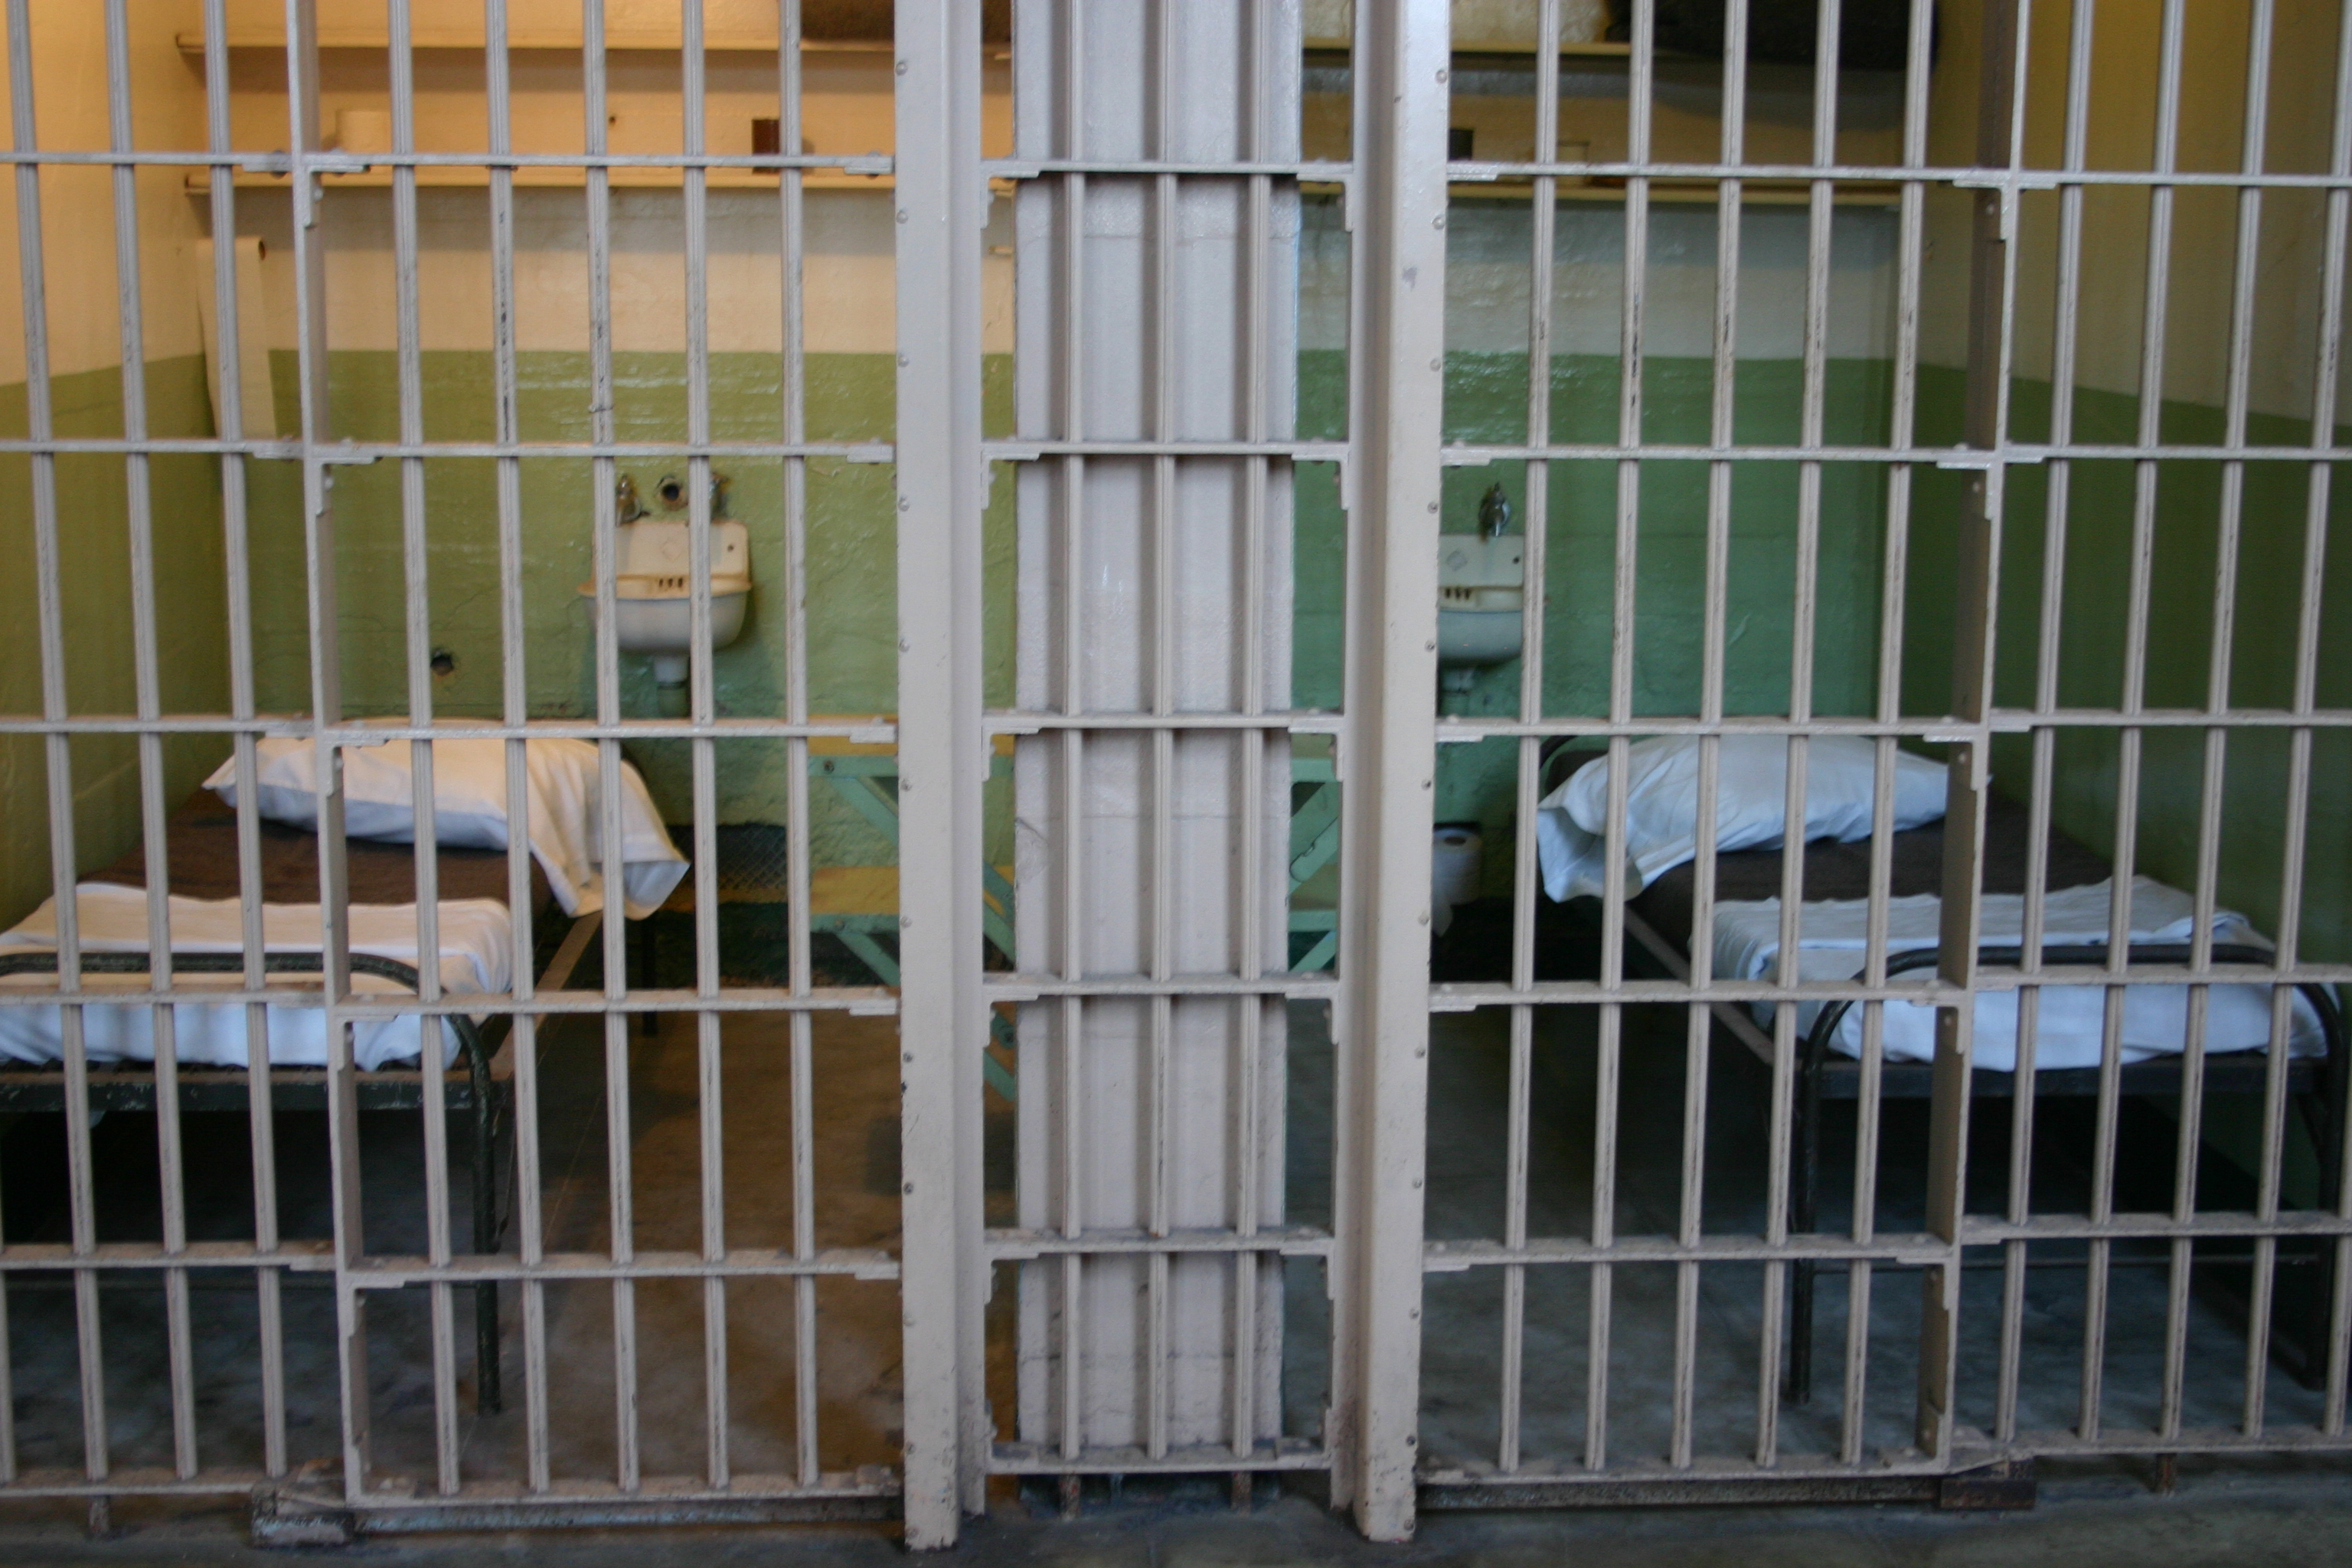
1495, 512
627, 508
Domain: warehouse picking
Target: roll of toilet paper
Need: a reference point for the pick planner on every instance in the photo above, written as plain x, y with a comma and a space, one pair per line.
1454, 871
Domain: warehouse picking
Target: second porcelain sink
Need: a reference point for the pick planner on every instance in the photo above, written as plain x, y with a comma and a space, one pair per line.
654, 608
1481, 595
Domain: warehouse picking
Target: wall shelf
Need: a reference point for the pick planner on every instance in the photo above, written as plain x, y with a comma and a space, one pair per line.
1500, 48
616, 40
1756, 193
200, 181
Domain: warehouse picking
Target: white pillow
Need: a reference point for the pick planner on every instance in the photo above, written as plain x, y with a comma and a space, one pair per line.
1751, 795
469, 808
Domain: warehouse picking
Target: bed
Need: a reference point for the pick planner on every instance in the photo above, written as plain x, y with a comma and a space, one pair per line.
2069, 1033
212, 1067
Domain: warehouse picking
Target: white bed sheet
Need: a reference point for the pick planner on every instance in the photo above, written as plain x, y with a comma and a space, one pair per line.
475, 940
2070, 1026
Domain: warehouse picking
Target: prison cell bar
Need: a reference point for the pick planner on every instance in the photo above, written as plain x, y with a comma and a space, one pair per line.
1074, 1448
139, 506
2134, 659
1381, 1024
1160, 855
943, 755
2237, 388
1071, 353
793, 431
2055, 519
1251, 929
261, 1127
1528, 759
1699, 1020
1910, 244
416, 573
58, 757
2301, 723
2328, 366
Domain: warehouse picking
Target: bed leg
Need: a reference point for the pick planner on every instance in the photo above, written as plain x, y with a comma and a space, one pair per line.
1803, 1209
2327, 1123
487, 1395
648, 956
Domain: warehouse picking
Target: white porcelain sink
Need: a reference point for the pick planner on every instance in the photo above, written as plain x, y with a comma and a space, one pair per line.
654, 608
1481, 594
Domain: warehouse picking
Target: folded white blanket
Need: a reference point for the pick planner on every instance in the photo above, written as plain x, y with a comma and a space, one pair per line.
1833, 937
475, 938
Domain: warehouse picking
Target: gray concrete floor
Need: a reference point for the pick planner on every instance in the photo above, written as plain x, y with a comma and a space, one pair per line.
2265, 1516
2271, 1513
1470, 1057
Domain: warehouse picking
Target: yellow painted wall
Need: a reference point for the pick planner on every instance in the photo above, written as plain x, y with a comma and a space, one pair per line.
2121, 135
70, 106
85, 396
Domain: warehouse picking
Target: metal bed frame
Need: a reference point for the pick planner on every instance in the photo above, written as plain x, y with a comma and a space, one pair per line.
2316, 1083
482, 1084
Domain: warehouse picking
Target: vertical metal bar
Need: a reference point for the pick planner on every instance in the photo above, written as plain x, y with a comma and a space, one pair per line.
2324, 413
139, 508
1395, 403
416, 569
1641, 81
2154, 322
794, 429
2066, 331
1260, 140
1161, 863
1715, 615
702, 705
1543, 220
944, 756
1992, 282
803, 1134
603, 422
621, 1223
1805, 604
63, 862
261, 1122
1894, 582
1071, 346
2236, 396
325, 705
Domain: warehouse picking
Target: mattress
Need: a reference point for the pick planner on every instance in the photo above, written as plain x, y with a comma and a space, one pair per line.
2069, 1026
1841, 871
476, 942
201, 838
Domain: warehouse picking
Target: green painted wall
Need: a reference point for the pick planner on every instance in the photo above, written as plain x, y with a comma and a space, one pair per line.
94, 554
852, 564
852, 584
1486, 401
2184, 567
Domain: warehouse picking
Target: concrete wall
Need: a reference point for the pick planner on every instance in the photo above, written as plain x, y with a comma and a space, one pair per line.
2185, 564
85, 394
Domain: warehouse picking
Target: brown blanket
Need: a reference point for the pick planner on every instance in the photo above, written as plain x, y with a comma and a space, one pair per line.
202, 837
1835, 871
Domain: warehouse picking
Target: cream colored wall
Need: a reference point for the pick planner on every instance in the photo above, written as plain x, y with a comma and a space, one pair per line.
756, 17
1477, 24
78, 203
848, 302
2125, 67
846, 97
847, 298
